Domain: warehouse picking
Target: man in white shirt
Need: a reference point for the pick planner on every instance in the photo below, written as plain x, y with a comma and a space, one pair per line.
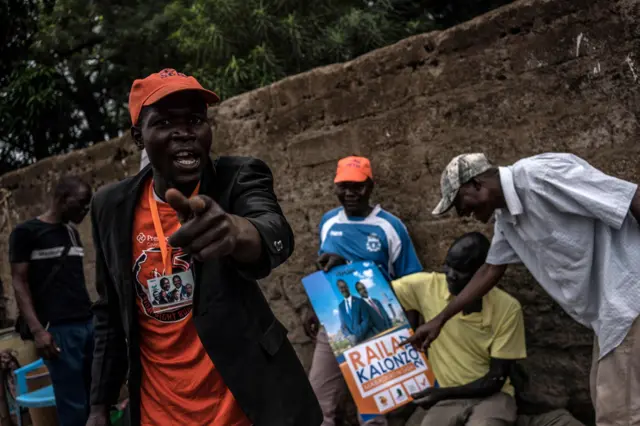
576, 230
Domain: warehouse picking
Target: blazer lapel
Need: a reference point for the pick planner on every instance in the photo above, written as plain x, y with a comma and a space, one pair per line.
123, 228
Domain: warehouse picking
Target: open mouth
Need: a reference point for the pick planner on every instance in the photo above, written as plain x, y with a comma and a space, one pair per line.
186, 160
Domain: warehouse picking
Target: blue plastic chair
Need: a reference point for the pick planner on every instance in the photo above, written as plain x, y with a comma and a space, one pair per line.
42, 397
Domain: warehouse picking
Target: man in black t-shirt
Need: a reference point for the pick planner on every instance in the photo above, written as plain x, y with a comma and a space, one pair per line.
48, 278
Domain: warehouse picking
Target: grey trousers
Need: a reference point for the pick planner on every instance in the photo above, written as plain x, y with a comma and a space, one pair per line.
497, 410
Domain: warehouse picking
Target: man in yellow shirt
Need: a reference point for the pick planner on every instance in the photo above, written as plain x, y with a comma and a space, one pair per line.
475, 351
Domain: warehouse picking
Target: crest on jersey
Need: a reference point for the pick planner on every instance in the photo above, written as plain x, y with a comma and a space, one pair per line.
145, 268
373, 243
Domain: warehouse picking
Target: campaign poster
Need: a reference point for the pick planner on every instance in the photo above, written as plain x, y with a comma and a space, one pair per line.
366, 326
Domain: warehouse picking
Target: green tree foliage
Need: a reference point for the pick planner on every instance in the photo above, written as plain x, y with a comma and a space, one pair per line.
67, 65
68, 80
238, 45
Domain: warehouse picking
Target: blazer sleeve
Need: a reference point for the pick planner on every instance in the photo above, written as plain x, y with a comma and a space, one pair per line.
254, 199
109, 367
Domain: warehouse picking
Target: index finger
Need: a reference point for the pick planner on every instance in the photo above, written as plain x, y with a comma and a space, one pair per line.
425, 345
178, 202
332, 263
409, 341
205, 215
199, 203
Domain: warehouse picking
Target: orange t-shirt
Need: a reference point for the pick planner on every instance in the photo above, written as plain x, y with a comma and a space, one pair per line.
180, 385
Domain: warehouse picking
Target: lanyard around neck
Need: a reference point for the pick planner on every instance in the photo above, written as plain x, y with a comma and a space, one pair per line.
157, 225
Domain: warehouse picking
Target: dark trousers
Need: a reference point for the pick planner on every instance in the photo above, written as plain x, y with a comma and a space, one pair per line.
71, 371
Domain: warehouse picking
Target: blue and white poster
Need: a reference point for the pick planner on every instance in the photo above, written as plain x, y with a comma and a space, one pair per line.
366, 327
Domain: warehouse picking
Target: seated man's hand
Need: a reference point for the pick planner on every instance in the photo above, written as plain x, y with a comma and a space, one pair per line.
427, 398
312, 326
327, 261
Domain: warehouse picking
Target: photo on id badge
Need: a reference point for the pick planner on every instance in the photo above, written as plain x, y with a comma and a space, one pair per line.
171, 291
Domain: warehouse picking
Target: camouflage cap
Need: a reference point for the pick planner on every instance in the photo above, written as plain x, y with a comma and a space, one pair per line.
459, 171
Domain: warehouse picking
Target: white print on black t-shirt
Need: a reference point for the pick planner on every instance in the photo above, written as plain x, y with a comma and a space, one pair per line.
41, 245
55, 252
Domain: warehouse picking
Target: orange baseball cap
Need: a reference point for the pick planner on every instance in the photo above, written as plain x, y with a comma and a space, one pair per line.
151, 89
353, 169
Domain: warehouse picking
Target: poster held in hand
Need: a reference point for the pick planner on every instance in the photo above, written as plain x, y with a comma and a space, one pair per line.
366, 327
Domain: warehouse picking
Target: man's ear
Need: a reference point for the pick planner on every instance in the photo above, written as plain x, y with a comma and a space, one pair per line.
136, 134
477, 184
371, 184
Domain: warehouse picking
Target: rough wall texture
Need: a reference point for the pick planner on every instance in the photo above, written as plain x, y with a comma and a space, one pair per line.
535, 76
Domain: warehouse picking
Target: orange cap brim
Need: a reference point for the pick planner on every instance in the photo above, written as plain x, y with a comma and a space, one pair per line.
164, 91
351, 175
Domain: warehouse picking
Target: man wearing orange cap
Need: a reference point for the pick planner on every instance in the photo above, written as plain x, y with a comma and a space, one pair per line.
354, 232
217, 357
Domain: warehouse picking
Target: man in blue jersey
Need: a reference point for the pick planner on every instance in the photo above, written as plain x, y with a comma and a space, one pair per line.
354, 232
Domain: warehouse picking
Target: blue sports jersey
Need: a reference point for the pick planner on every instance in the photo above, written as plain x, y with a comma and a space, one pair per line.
380, 237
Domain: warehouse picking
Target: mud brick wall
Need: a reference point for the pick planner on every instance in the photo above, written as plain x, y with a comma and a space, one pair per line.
534, 76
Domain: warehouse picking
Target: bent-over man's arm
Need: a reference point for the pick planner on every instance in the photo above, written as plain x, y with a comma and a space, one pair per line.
110, 361
500, 255
508, 345
483, 280
413, 317
574, 186
266, 239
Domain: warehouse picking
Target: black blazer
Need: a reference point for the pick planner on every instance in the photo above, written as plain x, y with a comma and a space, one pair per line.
245, 341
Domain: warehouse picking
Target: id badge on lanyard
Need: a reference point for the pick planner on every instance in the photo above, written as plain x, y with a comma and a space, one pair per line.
169, 291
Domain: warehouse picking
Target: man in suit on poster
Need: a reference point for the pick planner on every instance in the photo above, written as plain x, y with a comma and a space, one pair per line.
355, 319
379, 317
